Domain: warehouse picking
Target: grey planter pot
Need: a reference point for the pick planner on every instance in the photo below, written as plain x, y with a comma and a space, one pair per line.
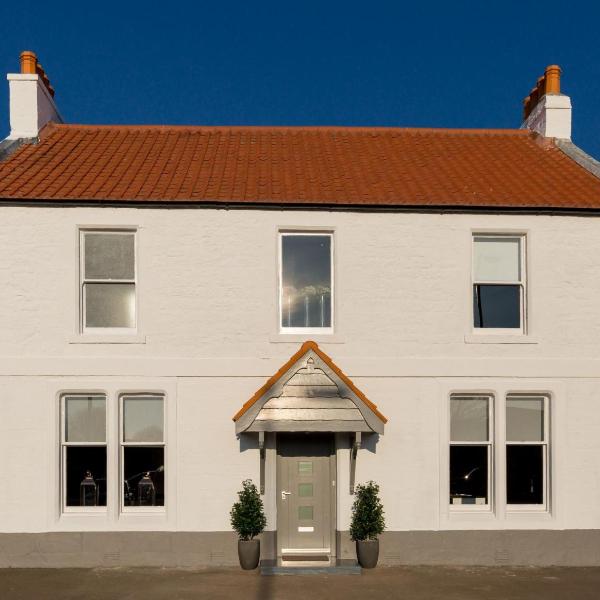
249, 554
367, 553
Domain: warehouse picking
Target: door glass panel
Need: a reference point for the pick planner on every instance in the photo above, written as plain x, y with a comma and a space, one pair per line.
305, 513
305, 467
305, 490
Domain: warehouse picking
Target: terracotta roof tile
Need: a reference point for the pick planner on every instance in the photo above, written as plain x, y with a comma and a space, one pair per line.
507, 168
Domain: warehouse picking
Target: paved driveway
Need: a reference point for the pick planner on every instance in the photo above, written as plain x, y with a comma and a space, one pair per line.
414, 583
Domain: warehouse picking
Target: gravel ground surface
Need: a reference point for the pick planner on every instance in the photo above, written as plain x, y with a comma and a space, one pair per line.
414, 583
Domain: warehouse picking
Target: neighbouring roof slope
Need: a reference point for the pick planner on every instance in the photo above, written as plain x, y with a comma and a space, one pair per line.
341, 166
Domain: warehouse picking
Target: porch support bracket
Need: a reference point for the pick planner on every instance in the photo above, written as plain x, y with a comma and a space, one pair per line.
262, 451
353, 454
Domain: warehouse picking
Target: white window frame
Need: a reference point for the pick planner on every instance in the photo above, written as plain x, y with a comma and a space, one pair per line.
83, 281
488, 507
63, 453
306, 330
522, 283
123, 445
544, 507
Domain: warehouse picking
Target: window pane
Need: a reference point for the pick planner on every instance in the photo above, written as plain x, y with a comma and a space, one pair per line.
497, 259
497, 306
468, 474
524, 474
110, 305
85, 419
525, 419
109, 256
137, 461
80, 461
469, 419
143, 419
306, 279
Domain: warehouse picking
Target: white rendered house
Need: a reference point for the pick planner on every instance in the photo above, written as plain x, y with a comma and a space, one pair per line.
184, 308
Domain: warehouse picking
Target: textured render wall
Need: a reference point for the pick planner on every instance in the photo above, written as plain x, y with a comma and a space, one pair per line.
207, 292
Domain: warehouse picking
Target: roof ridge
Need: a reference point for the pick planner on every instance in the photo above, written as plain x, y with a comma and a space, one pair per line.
315, 128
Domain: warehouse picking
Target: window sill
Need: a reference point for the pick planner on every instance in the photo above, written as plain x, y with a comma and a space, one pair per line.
91, 338
293, 338
487, 338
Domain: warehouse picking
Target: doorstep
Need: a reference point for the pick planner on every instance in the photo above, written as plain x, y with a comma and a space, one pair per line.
277, 567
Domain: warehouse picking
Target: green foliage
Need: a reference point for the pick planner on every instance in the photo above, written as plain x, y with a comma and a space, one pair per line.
368, 521
247, 515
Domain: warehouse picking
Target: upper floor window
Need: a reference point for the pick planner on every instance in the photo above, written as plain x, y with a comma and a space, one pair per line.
108, 280
306, 282
499, 282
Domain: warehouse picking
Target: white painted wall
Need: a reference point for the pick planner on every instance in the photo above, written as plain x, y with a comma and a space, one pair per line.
208, 338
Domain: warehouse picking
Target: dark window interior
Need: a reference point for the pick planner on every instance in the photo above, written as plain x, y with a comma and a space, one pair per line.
139, 460
524, 474
468, 473
81, 459
497, 306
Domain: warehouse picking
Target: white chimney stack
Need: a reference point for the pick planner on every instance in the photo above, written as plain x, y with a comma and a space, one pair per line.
31, 99
546, 110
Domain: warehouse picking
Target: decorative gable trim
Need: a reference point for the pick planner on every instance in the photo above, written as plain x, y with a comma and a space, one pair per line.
309, 393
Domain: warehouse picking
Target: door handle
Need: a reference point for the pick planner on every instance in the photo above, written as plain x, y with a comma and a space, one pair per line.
284, 494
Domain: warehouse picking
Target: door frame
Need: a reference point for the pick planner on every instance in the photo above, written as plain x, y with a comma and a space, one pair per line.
332, 495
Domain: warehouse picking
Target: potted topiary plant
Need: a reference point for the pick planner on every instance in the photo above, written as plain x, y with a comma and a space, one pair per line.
248, 520
367, 524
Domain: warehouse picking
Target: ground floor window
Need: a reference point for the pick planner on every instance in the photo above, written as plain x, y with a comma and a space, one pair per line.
83, 451
526, 451
470, 451
142, 450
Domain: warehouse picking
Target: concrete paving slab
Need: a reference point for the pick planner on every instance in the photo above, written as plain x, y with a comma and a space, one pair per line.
384, 583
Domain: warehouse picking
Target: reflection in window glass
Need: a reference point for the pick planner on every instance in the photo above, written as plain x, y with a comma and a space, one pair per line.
306, 294
497, 306
469, 419
143, 476
143, 418
110, 305
468, 474
108, 279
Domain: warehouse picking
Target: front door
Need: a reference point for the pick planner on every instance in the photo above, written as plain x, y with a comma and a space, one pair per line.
305, 493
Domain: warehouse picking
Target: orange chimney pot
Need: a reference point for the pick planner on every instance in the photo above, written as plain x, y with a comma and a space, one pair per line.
28, 62
553, 79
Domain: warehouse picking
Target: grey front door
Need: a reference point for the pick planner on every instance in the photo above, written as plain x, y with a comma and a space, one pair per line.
305, 492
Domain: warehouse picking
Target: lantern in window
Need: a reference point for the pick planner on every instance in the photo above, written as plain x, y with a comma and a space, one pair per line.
88, 491
146, 491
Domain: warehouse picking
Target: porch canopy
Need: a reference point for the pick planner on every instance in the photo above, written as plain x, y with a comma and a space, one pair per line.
309, 393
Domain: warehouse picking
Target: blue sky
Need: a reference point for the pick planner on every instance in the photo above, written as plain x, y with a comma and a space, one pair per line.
425, 64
